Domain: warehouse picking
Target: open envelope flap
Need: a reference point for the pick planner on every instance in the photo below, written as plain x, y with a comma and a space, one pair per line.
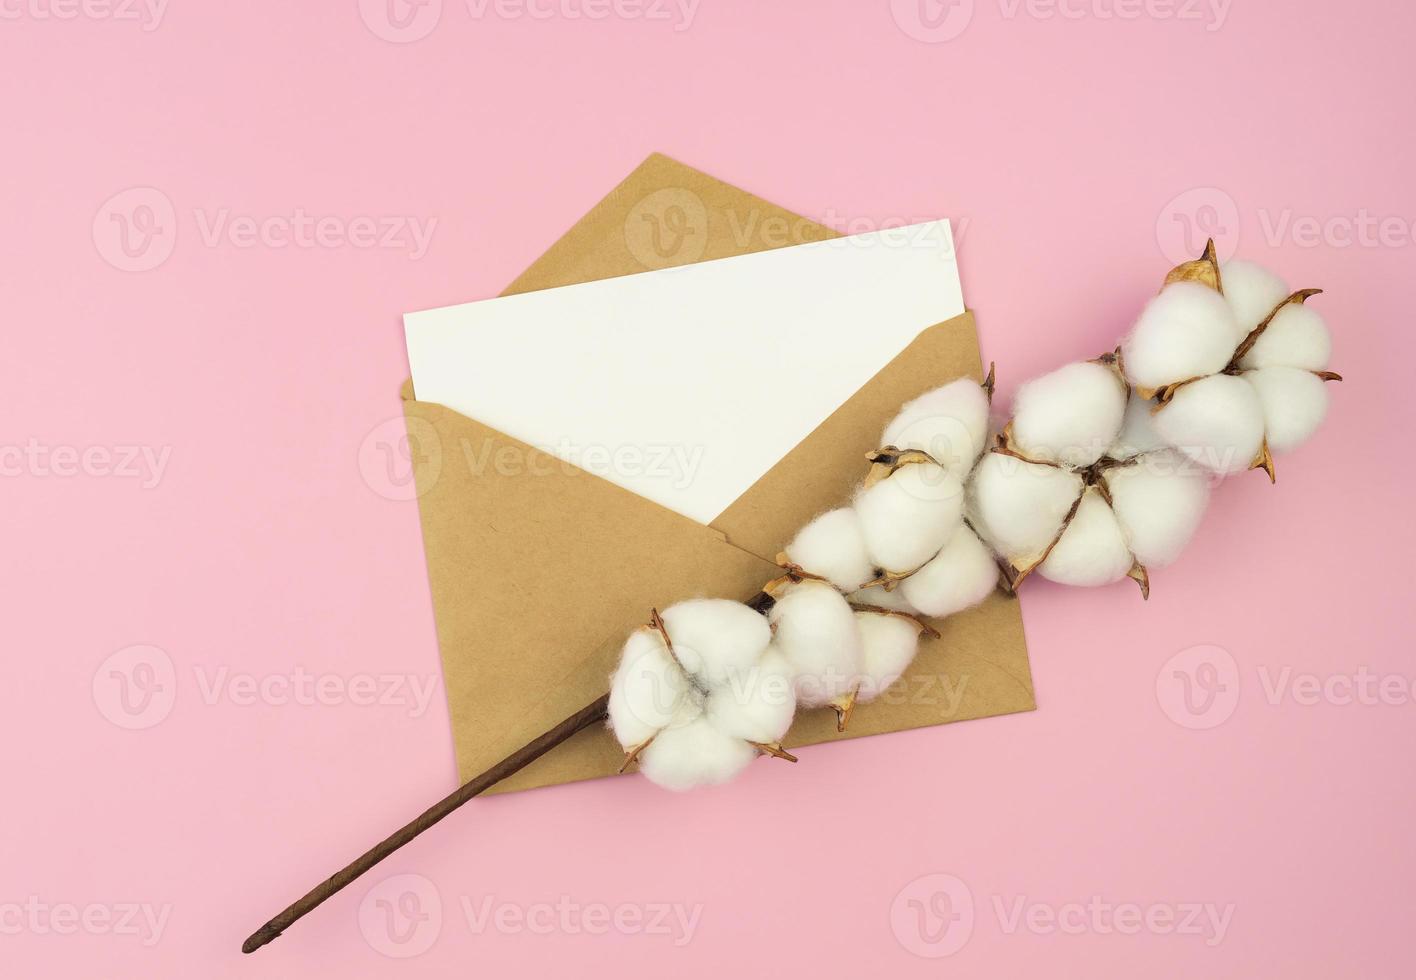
538, 568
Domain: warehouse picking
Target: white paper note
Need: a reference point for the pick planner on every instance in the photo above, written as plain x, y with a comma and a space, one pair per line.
685, 385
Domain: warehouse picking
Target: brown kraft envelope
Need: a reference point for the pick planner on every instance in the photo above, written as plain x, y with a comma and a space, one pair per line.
539, 570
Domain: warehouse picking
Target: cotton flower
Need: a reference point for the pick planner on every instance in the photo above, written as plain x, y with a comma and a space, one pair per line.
948, 423
1071, 415
715, 639
960, 576
838, 653
699, 693
1158, 499
1233, 413
1058, 513
909, 515
1018, 507
1252, 292
815, 630
889, 642
650, 692
1217, 421
1294, 403
694, 754
755, 705
833, 546
1188, 331
1296, 337
1136, 515
1091, 550
912, 499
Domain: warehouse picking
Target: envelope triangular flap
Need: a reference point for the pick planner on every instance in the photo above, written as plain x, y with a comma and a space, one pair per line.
538, 570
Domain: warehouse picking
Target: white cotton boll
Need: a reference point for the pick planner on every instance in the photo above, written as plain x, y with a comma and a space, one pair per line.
696, 754
833, 546
963, 574
816, 632
878, 595
1092, 551
888, 645
949, 423
1187, 331
1216, 421
1018, 507
1294, 401
755, 704
1158, 502
649, 691
1070, 415
1252, 292
1296, 337
908, 516
1138, 433
713, 637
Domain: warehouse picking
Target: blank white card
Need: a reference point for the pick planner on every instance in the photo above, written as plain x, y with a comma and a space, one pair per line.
685, 385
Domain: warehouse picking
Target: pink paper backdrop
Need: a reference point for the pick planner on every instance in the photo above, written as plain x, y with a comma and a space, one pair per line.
211, 587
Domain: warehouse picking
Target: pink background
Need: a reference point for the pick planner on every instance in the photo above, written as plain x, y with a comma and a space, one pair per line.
1071, 151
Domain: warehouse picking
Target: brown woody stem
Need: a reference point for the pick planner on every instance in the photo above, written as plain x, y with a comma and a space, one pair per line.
591, 714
